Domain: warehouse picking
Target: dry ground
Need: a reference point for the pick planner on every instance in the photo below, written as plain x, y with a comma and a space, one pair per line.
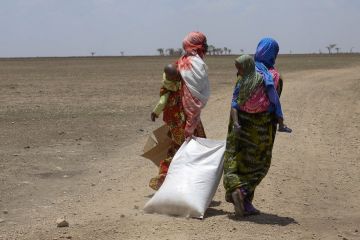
72, 130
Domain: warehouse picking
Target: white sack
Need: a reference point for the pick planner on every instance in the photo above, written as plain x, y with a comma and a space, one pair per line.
192, 180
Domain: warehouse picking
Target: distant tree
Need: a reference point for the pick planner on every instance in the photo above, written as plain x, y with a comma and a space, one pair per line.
93, 53
320, 52
337, 50
241, 51
122, 53
161, 51
330, 47
170, 51
351, 49
211, 50
225, 50
229, 51
179, 51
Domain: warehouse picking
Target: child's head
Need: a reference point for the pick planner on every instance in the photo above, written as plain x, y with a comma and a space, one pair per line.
245, 65
172, 73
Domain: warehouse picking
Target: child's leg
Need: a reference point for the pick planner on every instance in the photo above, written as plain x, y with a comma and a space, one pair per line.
283, 127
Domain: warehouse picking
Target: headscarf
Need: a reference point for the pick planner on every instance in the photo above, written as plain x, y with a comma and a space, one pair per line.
194, 42
267, 51
265, 56
250, 81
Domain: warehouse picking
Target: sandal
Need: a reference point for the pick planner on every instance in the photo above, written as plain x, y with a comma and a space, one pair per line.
249, 209
238, 201
285, 129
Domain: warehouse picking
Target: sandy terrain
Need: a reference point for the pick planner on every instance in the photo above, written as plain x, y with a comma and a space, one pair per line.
72, 130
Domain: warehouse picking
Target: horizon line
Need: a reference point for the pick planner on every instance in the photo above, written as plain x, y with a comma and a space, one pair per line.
116, 56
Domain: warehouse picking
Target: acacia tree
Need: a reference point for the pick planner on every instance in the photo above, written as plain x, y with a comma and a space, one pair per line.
225, 50
92, 53
211, 49
170, 51
161, 51
330, 47
179, 51
337, 50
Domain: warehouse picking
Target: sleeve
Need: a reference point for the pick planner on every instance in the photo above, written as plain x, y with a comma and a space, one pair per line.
234, 103
274, 100
161, 104
192, 109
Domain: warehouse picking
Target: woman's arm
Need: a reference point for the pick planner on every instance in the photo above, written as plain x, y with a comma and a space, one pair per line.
275, 101
235, 107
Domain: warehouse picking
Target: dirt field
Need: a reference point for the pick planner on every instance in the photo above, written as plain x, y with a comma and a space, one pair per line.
72, 130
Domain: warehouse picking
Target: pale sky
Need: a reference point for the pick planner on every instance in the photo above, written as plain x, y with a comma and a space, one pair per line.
32, 28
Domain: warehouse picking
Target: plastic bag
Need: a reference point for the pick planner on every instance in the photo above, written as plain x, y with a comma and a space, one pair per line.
192, 180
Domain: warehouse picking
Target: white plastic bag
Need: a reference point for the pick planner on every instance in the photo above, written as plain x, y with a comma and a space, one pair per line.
192, 180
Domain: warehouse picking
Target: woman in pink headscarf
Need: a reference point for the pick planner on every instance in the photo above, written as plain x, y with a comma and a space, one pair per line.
195, 85
183, 113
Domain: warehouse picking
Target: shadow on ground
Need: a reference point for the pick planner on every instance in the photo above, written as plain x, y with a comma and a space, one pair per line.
265, 218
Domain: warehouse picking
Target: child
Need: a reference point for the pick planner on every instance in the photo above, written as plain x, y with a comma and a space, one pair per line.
171, 83
252, 82
173, 116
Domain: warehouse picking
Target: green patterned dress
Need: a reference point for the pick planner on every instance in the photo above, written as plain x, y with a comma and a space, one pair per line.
248, 155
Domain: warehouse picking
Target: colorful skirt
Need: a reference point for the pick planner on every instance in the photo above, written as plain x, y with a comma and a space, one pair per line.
247, 156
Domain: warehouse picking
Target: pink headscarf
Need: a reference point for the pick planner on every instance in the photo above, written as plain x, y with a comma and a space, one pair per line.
194, 42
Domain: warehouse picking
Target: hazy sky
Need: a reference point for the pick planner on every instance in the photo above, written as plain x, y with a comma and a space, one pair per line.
139, 27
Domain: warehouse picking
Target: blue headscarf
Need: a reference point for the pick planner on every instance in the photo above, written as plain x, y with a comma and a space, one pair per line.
266, 53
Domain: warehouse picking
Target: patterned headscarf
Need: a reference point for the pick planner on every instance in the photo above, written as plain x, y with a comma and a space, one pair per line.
193, 43
265, 56
250, 81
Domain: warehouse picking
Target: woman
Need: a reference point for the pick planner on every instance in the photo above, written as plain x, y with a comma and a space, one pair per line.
252, 126
183, 115
195, 84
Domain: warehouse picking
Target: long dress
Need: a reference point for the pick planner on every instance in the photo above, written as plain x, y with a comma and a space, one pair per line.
247, 156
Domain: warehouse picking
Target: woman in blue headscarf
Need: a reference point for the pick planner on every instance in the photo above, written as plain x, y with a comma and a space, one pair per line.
255, 112
265, 56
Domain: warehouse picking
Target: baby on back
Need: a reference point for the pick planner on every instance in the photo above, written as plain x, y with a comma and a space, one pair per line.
170, 84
